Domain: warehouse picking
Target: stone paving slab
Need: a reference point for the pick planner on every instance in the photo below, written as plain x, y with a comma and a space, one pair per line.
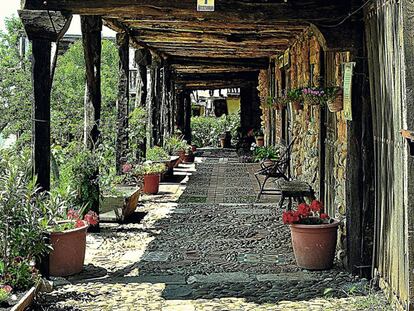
205, 256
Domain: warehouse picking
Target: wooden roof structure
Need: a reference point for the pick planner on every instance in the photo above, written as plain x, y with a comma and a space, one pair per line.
238, 37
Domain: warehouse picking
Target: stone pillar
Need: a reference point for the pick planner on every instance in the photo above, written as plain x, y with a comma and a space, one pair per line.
122, 143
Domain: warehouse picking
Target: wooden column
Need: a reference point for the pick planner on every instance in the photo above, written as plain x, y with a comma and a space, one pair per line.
152, 103
187, 116
179, 113
149, 103
91, 36
41, 51
42, 28
122, 144
142, 60
250, 112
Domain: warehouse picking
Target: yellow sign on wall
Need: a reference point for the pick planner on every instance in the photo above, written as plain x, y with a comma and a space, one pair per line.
205, 5
348, 73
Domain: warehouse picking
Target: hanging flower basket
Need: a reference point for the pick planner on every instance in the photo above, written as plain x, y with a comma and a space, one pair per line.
336, 104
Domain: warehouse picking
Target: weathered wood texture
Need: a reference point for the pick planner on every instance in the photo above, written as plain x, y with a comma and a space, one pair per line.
174, 28
250, 108
391, 84
41, 51
91, 35
48, 25
122, 142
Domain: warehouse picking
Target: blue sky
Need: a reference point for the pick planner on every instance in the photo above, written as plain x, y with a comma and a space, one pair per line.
9, 7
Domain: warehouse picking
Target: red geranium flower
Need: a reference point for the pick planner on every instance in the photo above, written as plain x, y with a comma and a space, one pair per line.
303, 209
324, 216
316, 206
73, 215
79, 223
126, 168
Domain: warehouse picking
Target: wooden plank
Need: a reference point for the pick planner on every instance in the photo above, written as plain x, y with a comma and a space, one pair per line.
41, 51
122, 142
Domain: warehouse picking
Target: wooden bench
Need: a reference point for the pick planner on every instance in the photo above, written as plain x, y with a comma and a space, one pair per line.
294, 189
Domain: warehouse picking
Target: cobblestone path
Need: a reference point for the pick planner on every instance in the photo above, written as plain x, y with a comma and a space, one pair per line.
210, 248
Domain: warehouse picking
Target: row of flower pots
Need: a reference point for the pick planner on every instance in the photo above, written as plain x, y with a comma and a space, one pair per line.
331, 96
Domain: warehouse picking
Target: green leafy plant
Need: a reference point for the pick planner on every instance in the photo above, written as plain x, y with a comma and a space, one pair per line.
157, 154
175, 144
295, 95
137, 127
266, 153
206, 130
149, 169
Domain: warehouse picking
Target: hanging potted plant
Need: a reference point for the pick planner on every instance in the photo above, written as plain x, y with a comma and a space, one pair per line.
281, 102
334, 98
295, 97
151, 174
259, 136
314, 236
314, 96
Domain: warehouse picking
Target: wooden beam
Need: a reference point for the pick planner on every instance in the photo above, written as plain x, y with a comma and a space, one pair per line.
41, 51
122, 143
227, 10
49, 25
91, 27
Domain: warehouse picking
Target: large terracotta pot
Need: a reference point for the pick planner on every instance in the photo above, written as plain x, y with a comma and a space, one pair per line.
260, 141
314, 245
189, 158
68, 254
151, 183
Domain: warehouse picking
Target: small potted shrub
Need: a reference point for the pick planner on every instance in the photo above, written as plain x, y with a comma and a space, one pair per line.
160, 155
225, 139
151, 173
176, 146
189, 155
259, 136
295, 97
267, 155
314, 236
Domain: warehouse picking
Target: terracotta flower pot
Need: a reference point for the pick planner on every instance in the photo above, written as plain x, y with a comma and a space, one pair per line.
189, 158
68, 253
297, 106
314, 245
151, 183
181, 154
260, 141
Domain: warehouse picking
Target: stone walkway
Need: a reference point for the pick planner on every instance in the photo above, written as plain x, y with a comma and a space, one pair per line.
208, 248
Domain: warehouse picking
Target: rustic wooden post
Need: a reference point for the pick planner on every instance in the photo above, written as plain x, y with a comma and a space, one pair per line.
41, 51
179, 113
152, 102
187, 116
122, 144
42, 28
91, 36
142, 60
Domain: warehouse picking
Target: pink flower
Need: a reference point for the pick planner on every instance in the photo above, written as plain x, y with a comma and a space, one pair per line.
7, 288
79, 223
303, 209
126, 168
73, 215
91, 218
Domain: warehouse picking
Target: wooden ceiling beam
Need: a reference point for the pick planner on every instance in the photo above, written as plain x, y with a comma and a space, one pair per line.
323, 11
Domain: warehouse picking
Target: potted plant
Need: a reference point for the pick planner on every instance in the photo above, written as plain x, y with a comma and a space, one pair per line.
159, 155
151, 173
334, 98
295, 97
281, 102
314, 236
225, 139
189, 155
68, 242
259, 136
266, 154
314, 96
176, 146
